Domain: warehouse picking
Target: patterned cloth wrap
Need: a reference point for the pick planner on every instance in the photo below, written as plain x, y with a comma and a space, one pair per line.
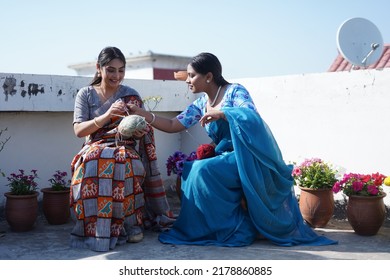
116, 190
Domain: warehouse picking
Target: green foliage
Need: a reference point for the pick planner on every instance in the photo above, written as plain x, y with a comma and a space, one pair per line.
58, 181
314, 174
21, 183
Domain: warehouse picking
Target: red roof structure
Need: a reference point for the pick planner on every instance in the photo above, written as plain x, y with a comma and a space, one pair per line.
341, 64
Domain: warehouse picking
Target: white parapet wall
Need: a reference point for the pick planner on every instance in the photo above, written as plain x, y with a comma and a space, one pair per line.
341, 117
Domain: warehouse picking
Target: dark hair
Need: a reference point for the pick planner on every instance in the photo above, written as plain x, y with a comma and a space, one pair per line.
205, 62
105, 56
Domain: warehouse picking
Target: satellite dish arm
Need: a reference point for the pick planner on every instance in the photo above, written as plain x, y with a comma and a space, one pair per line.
374, 46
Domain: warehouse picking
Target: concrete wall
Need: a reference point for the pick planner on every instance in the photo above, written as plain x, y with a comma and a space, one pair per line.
341, 117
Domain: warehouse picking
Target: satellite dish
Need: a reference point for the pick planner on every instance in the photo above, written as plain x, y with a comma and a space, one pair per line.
360, 42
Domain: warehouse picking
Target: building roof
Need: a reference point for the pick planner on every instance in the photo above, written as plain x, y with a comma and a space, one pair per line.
147, 65
341, 64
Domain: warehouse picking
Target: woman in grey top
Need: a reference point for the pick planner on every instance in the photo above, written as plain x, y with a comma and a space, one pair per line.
116, 189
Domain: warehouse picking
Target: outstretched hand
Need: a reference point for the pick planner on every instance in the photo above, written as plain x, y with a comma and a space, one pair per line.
133, 109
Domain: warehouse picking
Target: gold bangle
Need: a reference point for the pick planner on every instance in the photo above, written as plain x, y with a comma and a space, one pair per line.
153, 118
95, 122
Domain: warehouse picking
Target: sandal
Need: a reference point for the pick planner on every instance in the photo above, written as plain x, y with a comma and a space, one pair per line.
135, 238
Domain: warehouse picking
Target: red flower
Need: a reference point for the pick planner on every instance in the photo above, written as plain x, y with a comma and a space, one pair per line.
360, 184
205, 151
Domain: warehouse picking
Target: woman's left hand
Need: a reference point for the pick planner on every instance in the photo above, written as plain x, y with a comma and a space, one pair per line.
211, 116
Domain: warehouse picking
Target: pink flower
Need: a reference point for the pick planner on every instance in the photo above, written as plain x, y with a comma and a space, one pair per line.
357, 186
360, 184
372, 190
297, 171
336, 187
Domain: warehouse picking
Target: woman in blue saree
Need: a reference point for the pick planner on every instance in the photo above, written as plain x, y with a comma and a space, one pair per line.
248, 166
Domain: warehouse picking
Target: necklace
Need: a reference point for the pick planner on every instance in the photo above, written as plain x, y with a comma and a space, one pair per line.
216, 97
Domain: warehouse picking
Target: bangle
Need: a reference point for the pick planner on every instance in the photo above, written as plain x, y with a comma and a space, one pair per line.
153, 118
95, 122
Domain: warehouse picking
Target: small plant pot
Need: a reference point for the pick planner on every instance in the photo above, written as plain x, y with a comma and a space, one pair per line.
366, 214
56, 206
21, 211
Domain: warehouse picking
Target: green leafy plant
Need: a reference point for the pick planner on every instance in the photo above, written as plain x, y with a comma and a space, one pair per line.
360, 184
21, 183
314, 173
58, 181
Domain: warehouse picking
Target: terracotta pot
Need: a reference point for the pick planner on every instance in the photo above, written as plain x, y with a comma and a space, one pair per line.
21, 211
55, 206
317, 206
366, 214
180, 75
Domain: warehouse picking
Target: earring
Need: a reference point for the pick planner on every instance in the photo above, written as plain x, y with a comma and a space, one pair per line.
207, 81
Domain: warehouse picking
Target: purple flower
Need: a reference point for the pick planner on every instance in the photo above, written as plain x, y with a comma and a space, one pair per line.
22, 184
175, 162
58, 181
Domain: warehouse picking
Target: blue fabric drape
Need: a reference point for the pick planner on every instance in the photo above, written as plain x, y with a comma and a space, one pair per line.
211, 212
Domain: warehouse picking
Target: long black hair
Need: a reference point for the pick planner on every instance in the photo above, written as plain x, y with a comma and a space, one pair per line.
206, 62
105, 56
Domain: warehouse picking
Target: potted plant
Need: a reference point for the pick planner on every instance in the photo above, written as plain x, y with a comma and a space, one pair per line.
21, 207
366, 211
55, 201
315, 178
175, 163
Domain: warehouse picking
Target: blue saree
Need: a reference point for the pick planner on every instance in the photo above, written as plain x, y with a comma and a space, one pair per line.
249, 165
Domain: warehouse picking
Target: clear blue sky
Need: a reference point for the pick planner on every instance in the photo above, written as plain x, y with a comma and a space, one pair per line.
252, 38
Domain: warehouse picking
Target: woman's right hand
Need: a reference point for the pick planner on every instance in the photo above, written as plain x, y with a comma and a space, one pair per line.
118, 108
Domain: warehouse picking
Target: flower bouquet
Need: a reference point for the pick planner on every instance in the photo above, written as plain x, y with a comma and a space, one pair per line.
21, 183
360, 184
366, 210
315, 178
58, 182
314, 173
176, 161
175, 164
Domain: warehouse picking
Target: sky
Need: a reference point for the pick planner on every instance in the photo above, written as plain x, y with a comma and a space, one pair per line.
252, 38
